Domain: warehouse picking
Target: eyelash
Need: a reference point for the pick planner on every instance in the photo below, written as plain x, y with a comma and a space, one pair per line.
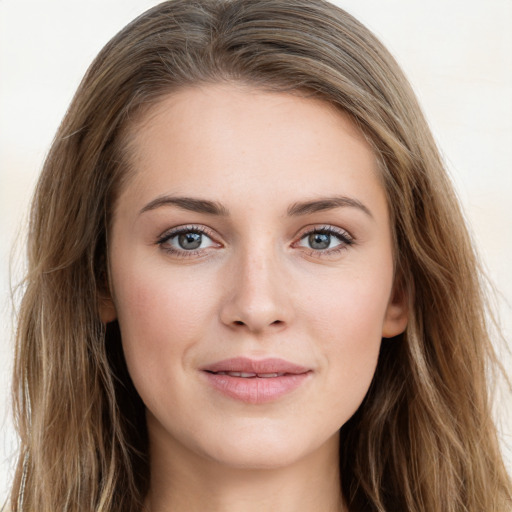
343, 236
345, 239
168, 235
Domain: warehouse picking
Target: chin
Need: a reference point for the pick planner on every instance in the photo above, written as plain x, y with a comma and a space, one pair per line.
261, 458
255, 451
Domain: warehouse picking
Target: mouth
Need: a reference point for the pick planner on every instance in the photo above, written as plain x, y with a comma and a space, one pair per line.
256, 381
246, 375
250, 368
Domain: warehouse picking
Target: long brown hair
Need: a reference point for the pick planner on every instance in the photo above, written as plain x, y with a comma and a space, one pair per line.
422, 440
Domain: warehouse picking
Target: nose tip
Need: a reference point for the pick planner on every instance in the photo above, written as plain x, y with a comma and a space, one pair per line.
255, 317
257, 300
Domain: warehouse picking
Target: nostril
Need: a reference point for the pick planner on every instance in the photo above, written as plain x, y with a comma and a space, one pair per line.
275, 322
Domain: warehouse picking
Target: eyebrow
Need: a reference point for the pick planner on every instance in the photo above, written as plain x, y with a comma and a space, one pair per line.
327, 203
295, 210
187, 203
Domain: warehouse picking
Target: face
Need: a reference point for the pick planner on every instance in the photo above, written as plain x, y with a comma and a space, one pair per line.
251, 274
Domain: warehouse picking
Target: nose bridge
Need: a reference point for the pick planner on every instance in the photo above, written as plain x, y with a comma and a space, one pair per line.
257, 299
258, 275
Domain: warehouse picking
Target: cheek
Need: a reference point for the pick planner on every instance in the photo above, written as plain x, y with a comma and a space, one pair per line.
348, 322
160, 318
157, 300
350, 311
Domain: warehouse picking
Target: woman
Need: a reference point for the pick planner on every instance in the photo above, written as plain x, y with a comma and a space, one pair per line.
250, 284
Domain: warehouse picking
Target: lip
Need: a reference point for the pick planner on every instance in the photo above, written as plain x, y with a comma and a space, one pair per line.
267, 379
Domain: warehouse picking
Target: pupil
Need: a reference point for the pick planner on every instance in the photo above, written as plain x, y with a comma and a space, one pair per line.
190, 241
319, 240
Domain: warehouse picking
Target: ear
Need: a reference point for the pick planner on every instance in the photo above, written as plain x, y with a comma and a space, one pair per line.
397, 312
106, 307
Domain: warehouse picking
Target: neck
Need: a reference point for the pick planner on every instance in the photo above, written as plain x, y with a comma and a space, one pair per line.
183, 481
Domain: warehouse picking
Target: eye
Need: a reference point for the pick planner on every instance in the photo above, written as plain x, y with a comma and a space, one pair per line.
325, 239
188, 239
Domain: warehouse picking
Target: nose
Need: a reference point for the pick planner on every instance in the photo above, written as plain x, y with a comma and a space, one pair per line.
258, 298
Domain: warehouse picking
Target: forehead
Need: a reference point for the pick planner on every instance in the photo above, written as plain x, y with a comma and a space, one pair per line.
233, 140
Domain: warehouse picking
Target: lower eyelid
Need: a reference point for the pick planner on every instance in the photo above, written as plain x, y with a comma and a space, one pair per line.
183, 253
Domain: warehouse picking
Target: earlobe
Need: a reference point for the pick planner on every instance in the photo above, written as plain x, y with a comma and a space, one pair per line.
106, 306
397, 313
107, 309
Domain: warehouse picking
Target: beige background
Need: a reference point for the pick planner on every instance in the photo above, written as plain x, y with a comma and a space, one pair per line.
457, 54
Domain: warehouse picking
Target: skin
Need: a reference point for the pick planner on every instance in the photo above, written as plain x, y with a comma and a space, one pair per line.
255, 287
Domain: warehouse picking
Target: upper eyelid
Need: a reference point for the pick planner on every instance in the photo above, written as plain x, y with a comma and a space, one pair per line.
319, 228
169, 233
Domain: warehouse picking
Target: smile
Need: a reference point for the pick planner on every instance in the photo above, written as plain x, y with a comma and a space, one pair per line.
246, 375
255, 381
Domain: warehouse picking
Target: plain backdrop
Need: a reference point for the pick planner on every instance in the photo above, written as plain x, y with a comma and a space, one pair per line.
456, 53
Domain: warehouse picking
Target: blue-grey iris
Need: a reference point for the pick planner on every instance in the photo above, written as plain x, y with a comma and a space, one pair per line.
319, 240
190, 241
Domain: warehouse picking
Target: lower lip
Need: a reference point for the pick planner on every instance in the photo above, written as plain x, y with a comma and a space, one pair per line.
256, 390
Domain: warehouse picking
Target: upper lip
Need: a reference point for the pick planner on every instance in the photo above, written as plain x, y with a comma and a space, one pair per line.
263, 366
